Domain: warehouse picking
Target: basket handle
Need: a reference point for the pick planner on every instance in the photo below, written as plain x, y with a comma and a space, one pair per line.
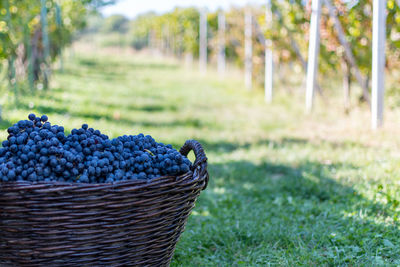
200, 163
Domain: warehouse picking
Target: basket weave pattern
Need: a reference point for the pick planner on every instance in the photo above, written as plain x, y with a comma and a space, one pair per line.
131, 223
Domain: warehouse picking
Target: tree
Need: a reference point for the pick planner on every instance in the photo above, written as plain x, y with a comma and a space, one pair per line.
21, 35
116, 23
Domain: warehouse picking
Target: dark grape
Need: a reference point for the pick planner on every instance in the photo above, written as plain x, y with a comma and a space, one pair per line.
32, 117
37, 151
44, 118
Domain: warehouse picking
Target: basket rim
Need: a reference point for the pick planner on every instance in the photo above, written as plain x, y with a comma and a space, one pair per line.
197, 173
187, 177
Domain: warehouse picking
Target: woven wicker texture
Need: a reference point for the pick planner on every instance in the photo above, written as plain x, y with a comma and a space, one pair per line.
131, 223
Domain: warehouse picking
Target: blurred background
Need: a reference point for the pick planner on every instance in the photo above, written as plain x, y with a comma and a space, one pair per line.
290, 184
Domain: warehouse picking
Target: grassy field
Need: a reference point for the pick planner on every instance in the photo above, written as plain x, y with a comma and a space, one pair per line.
285, 189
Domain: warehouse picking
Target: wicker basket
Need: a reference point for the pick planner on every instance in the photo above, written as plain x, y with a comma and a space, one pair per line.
131, 223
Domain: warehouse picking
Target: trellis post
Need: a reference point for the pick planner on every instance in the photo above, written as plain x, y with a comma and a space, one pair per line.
313, 51
45, 40
203, 41
11, 60
59, 26
248, 51
221, 43
268, 83
378, 62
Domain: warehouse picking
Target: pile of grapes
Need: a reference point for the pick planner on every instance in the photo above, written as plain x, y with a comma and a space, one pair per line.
36, 151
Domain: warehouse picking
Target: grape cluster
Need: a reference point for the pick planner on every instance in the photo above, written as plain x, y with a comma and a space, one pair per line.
36, 151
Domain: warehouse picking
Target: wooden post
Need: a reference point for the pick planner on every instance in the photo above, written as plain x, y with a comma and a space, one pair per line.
163, 34
313, 51
221, 43
165, 39
172, 44
45, 40
29, 57
346, 83
59, 26
169, 40
268, 82
248, 64
45, 36
149, 39
378, 62
203, 41
11, 60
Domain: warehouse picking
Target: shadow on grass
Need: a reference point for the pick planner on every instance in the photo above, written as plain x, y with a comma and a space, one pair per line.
56, 95
134, 123
44, 109
287, 215
58, 106
112, 71
99, 73
109, 65
111, 118
227, 147
190, 122
141, 107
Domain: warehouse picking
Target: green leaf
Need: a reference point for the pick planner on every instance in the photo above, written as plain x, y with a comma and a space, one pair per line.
387, 243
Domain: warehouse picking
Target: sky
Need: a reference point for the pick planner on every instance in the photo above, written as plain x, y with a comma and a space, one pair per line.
131, 8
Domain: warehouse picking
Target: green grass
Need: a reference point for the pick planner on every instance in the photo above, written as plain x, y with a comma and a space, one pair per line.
285, 188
